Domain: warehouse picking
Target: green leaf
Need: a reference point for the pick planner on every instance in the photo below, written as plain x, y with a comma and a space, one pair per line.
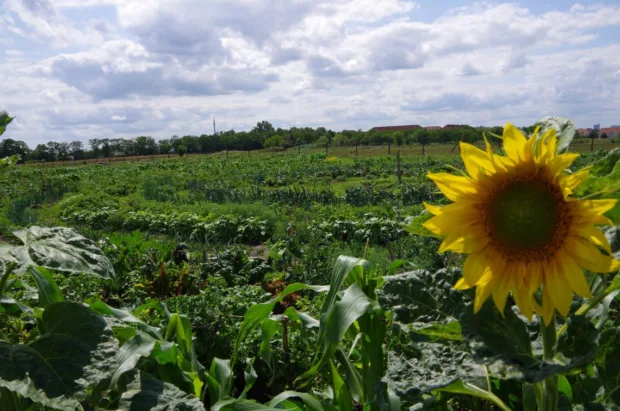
60, 249
4, 121
430, 355
241, 405
146, 393
139, 346
124, 316
75, 351
564, 386
220, 370
48, 289
353, 305
608, 365
311, 403
256, 314
458, 387
564, 127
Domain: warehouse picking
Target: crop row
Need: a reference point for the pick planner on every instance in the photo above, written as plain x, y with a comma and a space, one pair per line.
300, 196
235, 229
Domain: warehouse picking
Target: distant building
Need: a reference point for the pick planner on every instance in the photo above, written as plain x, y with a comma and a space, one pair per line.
448, 126
585, 132
611, 131
433, 127
396, 128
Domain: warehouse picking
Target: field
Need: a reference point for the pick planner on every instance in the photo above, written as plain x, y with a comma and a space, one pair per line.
218, 262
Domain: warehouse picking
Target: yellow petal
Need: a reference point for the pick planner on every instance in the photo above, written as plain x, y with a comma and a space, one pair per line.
552, 141
435, 210
463, 245
501, 289
474, 267
559, 291
547, 309
598, 206
514, 143
453, 187
562, 162
476, 161
592, 234
589, 257
523, 298
575, 277
572, 181
534, 276
462, 285
483, 290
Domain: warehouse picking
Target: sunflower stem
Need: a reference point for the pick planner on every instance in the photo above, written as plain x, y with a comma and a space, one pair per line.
550, 400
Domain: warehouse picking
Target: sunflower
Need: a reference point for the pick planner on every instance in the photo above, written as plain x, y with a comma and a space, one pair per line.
516, 217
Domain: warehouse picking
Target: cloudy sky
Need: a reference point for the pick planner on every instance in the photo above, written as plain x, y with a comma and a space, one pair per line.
80, 69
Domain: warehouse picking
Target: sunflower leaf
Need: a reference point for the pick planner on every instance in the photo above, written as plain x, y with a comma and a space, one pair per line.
76, 351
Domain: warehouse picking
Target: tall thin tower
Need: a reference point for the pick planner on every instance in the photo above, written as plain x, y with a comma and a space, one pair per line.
213, 125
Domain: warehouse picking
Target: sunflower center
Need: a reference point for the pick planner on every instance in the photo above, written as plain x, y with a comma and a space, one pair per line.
526, 216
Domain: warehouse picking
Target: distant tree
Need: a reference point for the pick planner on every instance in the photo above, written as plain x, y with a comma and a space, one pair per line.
274, 141
10, 147
398, 137
165, 148
76, 149
181, 150
423, 138
604, 135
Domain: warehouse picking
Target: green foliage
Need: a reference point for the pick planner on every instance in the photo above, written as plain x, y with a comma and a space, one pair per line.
60, 249
74, 352
5, 120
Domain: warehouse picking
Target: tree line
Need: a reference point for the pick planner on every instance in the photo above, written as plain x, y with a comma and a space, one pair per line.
262, 136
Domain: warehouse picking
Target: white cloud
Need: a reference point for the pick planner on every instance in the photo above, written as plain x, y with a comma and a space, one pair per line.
168, 66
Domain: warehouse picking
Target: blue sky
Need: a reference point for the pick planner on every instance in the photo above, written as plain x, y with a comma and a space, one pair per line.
82, 69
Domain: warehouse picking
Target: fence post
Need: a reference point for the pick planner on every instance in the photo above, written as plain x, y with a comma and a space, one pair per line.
399, 172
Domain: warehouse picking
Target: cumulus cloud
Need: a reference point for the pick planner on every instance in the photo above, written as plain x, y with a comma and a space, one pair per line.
169, 66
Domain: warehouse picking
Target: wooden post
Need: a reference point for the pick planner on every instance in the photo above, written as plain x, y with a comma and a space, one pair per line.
399, 172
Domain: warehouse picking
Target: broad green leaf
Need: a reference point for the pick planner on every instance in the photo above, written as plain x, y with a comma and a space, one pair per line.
60, 249
425, 309
146, 393
221, 372
269, 329
564, 128
353, 305
124, 316
458, 387
48, 289
311, 403
606, 165
75, 351
139, 346
241, 405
